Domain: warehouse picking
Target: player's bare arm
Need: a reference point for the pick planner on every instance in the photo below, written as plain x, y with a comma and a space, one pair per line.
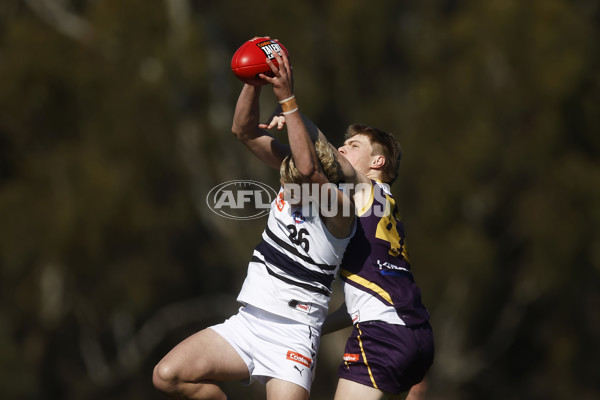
246, 129
302, 146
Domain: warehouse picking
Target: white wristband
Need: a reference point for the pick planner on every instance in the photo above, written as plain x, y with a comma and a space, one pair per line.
288, 99
289, 112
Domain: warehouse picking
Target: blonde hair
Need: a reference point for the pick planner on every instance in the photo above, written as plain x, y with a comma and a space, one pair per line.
290, 174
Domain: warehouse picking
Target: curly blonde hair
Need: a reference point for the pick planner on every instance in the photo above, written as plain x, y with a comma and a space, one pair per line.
290, 174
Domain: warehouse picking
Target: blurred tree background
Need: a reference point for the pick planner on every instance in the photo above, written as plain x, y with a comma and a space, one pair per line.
115, 121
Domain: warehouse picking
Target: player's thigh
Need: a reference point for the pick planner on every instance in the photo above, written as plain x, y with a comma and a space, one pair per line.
278, 389
204, 355
349, 390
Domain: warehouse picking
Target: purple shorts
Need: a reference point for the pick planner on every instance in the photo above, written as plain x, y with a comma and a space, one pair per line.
391, 358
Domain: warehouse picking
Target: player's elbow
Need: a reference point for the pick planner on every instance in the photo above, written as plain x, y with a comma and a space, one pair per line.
309, 173
164, 377
236, 130
240, 133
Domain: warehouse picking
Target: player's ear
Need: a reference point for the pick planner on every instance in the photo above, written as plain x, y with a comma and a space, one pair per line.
378, 161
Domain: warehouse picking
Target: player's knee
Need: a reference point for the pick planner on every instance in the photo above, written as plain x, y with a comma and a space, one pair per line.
165, 377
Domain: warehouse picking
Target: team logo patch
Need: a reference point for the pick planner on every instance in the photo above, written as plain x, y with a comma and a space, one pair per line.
351, 357
385, 187
280, 202
299, 358
298, 217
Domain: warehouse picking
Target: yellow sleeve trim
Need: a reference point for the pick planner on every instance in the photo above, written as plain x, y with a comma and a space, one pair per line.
369, 285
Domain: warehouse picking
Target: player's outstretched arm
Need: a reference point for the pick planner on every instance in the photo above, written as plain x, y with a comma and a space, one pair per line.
301, 144
350, 174
246, 129
303, 149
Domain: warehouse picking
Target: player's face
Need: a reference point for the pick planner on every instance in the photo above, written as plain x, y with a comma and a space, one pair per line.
359, 152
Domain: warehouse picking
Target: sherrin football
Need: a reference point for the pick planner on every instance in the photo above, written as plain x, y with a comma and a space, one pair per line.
249, 60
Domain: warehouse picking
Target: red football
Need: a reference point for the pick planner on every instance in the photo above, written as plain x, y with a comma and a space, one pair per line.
249, 60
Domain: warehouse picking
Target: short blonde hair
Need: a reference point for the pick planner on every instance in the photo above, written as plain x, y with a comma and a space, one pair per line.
325, 154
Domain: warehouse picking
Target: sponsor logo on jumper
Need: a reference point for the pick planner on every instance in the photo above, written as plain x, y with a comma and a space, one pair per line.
355, 316
241, 199
299, 358
387, 268
351, 357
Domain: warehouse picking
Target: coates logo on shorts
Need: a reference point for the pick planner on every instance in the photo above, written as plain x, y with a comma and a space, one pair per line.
299, 358
241, 199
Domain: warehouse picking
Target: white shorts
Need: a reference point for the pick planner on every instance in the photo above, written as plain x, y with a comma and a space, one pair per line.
272, 346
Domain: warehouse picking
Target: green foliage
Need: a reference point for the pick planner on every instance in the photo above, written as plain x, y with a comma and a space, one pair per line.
114, 125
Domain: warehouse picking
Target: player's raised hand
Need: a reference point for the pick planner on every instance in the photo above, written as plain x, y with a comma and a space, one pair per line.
282, 76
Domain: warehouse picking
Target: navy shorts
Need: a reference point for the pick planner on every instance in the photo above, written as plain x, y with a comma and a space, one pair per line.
391, 358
